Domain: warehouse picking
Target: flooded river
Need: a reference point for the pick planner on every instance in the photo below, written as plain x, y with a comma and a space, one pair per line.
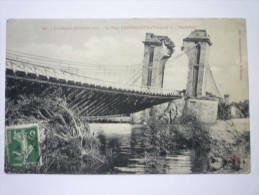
131, 156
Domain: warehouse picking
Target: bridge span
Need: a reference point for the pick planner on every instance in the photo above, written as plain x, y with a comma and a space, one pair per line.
91, 97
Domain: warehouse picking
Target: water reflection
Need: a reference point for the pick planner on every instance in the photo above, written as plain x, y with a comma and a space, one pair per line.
124, 146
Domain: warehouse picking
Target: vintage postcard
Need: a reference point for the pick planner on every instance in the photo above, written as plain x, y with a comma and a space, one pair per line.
127, 96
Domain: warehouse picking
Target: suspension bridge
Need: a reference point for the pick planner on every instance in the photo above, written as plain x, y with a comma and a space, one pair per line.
83, 84
35, 75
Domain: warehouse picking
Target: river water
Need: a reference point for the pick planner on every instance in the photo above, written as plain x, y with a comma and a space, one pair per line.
131, 156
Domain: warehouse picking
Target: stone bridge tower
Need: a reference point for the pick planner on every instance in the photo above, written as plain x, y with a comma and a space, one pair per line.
196, 46
156, 52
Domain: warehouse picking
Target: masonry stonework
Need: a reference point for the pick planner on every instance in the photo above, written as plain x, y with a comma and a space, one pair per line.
205, 110
156, 52
196, 46
195, 100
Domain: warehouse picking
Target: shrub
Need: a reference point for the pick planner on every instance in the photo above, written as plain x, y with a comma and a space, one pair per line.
198, 136
224, 111
67, 145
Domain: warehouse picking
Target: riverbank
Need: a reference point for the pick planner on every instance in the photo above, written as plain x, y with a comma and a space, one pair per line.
227, 146
222, 147
231, 146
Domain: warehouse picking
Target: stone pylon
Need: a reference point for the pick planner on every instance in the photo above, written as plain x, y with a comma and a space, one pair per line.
156, 52
196, 46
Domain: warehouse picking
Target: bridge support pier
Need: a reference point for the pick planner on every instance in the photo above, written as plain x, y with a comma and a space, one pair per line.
198, 100
157, 50
196, 46
205, 110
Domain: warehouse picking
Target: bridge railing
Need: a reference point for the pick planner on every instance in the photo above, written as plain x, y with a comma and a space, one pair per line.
27, 66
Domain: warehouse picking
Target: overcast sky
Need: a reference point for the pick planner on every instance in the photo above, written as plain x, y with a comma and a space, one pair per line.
119, 46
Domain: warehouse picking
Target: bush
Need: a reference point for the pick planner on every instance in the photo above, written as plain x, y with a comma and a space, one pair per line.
67, 145
224, 111
198, 136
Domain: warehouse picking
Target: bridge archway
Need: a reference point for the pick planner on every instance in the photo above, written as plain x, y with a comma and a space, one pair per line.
176, 71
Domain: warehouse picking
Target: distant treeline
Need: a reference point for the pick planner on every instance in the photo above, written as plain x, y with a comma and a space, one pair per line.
241, 110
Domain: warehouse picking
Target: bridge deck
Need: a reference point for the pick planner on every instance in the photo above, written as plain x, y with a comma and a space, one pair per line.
89, 97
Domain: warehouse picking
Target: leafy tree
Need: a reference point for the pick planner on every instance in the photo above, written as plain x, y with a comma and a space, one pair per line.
224, 111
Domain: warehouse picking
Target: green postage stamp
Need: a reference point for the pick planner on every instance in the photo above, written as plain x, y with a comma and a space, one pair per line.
23, 145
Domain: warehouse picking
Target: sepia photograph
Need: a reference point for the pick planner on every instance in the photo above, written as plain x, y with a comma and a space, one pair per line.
127, 96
